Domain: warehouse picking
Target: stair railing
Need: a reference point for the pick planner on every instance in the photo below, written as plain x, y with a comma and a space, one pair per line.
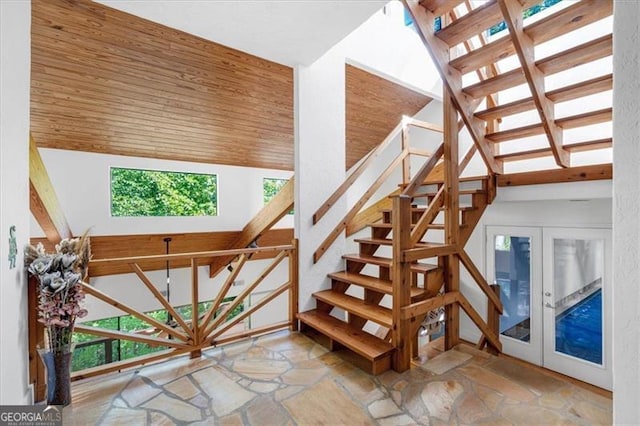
401, 159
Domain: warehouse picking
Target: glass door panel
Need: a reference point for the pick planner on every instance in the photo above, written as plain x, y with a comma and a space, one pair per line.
575, 290
512, 254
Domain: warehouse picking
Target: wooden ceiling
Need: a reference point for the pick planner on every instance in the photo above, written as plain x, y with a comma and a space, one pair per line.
109, 82
462, 48
374, 107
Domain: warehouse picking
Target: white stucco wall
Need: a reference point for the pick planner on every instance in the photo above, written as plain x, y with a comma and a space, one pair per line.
15, 48
626, 205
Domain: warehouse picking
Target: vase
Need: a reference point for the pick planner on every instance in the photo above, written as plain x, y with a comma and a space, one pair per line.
58, 373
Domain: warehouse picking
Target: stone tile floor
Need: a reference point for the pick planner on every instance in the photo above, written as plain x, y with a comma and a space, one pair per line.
287, 379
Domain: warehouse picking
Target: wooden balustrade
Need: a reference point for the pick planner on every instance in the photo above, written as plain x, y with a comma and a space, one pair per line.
202, 329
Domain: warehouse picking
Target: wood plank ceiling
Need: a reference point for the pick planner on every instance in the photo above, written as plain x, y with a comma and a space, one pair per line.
374, 107
108, 82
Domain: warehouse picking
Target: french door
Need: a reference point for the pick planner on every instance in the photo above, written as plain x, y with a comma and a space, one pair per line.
556, 292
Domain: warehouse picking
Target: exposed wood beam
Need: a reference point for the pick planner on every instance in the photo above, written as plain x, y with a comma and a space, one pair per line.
279, 206
43, 201
571, 174
512, 11
452, 79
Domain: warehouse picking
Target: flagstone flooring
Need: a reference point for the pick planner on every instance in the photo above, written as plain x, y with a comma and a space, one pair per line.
287, 379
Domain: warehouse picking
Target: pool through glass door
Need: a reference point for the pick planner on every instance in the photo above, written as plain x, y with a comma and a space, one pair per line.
554, 289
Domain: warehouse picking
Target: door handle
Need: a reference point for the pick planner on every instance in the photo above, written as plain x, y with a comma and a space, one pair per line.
549, 305
547, 294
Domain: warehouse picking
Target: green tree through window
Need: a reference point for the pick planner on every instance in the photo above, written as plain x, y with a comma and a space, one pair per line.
136, 192
270, 187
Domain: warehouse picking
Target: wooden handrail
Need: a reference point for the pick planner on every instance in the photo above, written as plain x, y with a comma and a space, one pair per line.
427, 217
427, 167
350, 180
410, 121
195, 334
357, 206
194, 255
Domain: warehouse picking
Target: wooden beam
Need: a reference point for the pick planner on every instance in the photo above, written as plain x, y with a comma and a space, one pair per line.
451, 173
43, 201
423, 173
512, 11
452, 312
452, 79
425, 306
279, 206
479, 322
133, 336
479, 279
571, 174
401, 282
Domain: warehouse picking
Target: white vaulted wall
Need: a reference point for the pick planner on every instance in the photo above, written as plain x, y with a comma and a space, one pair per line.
15, 19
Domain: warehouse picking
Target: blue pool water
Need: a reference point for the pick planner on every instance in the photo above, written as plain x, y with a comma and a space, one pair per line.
579, 329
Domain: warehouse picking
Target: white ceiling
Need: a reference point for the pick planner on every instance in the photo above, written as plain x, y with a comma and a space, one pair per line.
290, 32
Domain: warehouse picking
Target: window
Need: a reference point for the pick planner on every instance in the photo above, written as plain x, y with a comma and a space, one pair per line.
136, 192
527, 13
270, 187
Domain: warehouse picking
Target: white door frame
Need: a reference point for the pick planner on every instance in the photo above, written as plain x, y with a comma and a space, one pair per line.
599, 375
530, 351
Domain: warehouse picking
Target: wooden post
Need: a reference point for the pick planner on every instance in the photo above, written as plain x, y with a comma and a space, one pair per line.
401, 330
406, 162
293, 286
452, 218
194, 308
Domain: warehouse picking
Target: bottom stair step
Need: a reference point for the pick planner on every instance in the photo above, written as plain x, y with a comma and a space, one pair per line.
359, 341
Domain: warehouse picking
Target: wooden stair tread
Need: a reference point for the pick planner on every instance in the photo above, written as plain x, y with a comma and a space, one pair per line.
420, 268
440, 7
359, 307
359, 341
584, 53
563, 22
546, 152
461, 192
471, 24
385, 225
574, 91
579, 120
382, 241
372, 283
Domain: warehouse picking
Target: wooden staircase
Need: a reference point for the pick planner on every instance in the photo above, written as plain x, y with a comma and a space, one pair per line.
360, 288
465, 23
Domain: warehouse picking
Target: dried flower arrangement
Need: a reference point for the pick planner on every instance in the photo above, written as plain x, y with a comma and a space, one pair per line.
60, 294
